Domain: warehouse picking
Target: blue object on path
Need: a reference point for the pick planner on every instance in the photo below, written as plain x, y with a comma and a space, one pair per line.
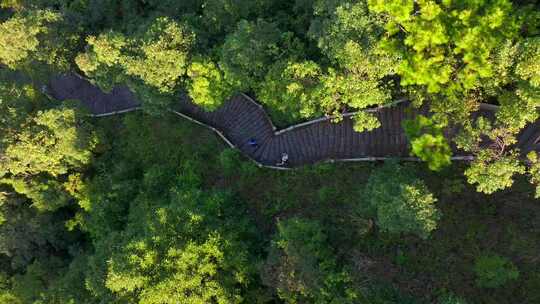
252, 142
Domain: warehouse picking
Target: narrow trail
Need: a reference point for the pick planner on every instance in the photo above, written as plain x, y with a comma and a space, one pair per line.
241, 119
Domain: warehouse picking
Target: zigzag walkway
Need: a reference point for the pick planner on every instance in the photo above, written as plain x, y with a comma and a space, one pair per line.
241, 119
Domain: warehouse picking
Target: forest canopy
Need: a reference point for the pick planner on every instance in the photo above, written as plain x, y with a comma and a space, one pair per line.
305, 59
143, 208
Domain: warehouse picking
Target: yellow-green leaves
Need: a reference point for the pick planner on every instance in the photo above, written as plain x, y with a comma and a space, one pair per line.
348, 34
18, 39
451, 50
534, 171
491, 173
448, 42
428, 142
22, 35
207, 86
289, 87
515, 112
103, 58
304, 88
340, 89
52, 142
364, 121
185, 248
400, 10
430, 10
158, 55
162, 55
528, 67
105, 49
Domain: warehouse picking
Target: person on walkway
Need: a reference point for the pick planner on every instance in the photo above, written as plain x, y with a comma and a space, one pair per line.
253, 143
284, 159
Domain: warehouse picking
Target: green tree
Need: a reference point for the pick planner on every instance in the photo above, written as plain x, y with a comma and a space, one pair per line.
39, 146
103, 59
445, 47
222, 16
491, 172
17, 100
153, 60
339, 91
518, 107
45, 194
494, 271
249, 51
29, 285
68, 283
517, 86
207, 86
451, 299
289, 89
27, 235
6, 296
534, 171
158, 236
347, 33
180, 252
41, 151
162, 54
428, 142
441, 62
401, 202
23, 37
302, 90
302, 267
494, 166
52, 142
528, 64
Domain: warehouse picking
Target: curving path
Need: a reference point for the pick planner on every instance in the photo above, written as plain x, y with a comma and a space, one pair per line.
240, 119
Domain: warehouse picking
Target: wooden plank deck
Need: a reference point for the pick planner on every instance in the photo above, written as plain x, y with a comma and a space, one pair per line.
240, 119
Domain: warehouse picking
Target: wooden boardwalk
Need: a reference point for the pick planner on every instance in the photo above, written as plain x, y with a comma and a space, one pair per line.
66, 87
241, 119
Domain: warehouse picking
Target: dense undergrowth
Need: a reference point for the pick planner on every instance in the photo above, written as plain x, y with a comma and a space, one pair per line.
148, 208
165, 208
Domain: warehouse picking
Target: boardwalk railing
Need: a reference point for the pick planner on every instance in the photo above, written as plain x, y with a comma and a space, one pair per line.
317, 140
225, 139
330, 118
